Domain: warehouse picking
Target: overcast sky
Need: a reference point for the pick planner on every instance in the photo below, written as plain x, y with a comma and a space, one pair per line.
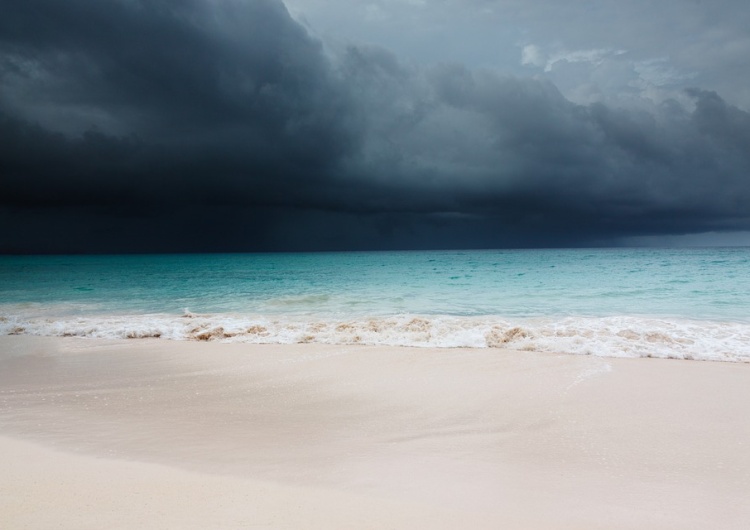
244, 125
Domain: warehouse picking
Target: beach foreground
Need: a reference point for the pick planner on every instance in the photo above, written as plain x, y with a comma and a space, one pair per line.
166, 434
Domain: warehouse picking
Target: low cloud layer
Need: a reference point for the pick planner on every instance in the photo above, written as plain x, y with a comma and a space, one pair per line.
197, 125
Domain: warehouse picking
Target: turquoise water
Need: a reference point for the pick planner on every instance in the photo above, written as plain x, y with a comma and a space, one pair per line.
691, 303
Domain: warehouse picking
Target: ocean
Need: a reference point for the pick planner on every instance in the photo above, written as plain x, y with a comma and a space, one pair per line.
668, 303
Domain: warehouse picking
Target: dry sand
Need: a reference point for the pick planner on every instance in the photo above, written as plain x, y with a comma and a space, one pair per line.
159, 434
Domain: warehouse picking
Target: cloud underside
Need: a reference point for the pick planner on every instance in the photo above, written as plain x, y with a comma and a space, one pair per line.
192, 125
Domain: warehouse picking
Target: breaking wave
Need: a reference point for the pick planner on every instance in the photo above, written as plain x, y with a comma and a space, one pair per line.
625, 336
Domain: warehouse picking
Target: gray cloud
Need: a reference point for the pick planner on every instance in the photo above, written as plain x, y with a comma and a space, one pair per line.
637, 51
196, 125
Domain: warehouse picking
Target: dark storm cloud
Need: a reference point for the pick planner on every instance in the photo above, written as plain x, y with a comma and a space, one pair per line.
200, 100
223, 125
518, 153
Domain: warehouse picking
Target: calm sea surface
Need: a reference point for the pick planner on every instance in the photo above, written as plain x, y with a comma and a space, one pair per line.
686, 303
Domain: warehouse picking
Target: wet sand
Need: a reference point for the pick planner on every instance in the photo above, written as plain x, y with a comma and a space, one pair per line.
162, 434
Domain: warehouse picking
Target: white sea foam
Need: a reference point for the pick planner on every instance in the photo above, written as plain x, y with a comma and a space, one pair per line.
626, 336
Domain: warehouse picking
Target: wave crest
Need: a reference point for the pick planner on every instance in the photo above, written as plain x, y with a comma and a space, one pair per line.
607, 336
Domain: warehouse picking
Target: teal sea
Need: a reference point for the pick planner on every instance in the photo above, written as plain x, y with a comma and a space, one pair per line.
678, 303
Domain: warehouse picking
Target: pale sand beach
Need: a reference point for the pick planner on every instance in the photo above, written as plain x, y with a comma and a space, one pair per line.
167, 434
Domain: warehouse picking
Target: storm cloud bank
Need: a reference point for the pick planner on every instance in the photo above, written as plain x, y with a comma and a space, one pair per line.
188, 125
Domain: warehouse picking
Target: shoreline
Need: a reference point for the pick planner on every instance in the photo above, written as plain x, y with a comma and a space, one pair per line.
623, 336
366, 436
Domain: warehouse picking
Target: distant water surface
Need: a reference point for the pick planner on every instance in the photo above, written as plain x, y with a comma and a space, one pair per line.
686, 303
